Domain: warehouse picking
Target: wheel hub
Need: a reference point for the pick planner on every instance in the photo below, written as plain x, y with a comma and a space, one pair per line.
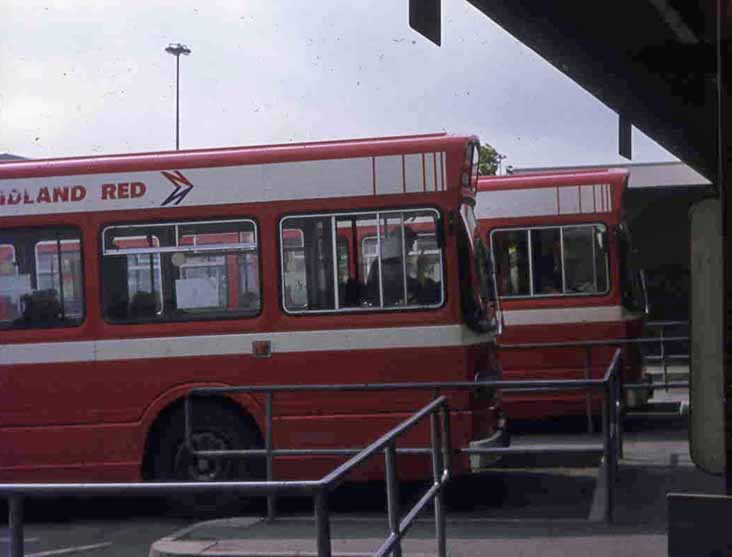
202, 469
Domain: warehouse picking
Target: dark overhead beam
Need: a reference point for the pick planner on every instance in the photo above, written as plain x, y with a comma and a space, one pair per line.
425, 18
625, 137
629, 54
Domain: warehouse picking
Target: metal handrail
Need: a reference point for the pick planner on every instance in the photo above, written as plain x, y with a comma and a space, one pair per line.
334, 478
664, 358
604, 342
440, 448
554, 384
609, 383
662, 323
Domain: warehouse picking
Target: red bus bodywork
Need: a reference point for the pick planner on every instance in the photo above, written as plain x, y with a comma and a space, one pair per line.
80, 402
588, 207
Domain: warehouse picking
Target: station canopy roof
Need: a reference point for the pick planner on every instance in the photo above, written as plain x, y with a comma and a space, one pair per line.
654, 61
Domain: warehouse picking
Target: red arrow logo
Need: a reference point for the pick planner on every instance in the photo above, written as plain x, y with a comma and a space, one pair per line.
182, 187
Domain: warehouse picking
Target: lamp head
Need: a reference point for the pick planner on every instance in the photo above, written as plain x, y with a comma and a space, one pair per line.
176, 49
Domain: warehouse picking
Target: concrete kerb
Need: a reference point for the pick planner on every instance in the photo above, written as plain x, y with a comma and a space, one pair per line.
579, 539
192, 541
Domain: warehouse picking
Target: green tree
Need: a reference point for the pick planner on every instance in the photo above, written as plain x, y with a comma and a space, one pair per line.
490, 160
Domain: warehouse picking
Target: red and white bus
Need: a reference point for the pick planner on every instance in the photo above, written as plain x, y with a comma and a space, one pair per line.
562, 261
127, 280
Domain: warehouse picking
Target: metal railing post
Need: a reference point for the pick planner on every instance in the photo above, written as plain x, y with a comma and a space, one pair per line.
588, 395
187, 419
392, 497
607, 421
322, 524
15, 526
271, 501
663, 359
619, 406
613, 418
437, 469
446, 438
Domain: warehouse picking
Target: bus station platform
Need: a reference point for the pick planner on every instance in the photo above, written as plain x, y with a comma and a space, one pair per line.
549, 508
293, 537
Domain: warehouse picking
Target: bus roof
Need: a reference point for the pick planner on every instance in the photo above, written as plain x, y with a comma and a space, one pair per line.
326, 169
230, 156
551, 179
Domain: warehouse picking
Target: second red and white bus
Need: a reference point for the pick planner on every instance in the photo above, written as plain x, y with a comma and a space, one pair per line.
127, 280
562, 258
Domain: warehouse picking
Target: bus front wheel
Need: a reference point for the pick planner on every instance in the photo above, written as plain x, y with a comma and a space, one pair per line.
216, 426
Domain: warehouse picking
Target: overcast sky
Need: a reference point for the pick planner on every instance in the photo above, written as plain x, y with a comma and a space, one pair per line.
91, 77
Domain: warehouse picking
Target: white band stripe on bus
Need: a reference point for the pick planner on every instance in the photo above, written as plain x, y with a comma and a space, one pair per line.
240, 344
567, 315
246, 183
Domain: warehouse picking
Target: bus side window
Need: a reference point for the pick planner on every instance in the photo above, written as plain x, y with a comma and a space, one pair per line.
293, 267
511, 253
584, 261
407, 258
180, 271
115, 292
8, 273
389, 259
396, 286
557, 260
546, 253
309, 264
40, 278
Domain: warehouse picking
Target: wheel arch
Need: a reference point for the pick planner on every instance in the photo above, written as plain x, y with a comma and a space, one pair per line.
166, 406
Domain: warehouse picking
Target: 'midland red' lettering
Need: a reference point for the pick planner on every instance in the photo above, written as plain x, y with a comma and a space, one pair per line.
44, 196
59, 194
123, 190
78, 193
109, 191
137, 189
13, 197
70, 194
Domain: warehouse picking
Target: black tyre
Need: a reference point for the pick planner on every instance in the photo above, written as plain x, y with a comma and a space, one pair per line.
215, 426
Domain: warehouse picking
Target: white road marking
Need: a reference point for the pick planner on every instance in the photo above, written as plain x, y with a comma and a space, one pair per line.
69, 550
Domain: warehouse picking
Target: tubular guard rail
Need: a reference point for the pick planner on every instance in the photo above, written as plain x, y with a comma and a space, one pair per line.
441, 451
318, 489
660, 340
588, 345
611, 446
663, 356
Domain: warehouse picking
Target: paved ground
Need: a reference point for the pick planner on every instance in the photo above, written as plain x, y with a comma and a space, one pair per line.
512, 510
65, 529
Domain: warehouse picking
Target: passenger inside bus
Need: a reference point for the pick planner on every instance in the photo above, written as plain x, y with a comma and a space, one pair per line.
421, 289
374, 264
41, 308
392, 270
511, 252
143, 304
548, 261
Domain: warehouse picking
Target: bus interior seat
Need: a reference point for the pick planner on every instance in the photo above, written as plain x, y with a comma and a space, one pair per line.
143, 304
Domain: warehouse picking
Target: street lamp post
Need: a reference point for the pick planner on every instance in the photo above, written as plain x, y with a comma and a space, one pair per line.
176, 49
